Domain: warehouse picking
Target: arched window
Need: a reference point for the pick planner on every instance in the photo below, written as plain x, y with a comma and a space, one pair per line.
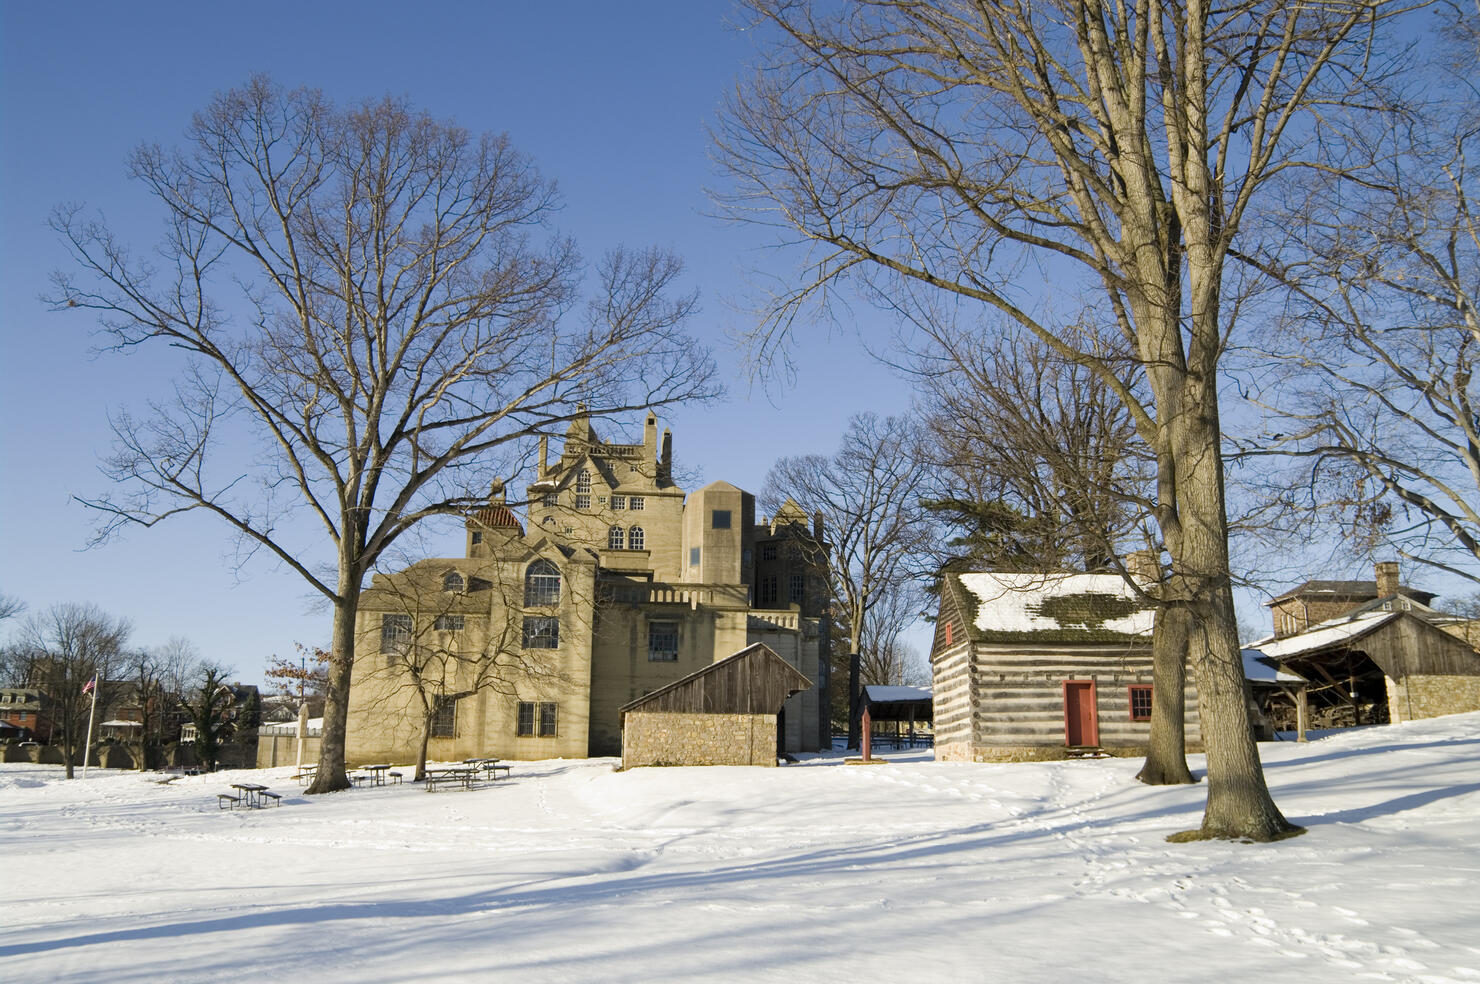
583, 482
634, 538
542, 584
452, 581
614, 538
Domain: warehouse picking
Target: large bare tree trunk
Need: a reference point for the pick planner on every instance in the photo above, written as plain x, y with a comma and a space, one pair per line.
1239, 804
1166, 753
331, 774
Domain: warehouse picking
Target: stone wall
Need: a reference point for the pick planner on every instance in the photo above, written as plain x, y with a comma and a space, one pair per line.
276, 750
1417, 697
650, 738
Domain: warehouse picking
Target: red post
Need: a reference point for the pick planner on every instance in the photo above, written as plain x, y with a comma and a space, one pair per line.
868, 733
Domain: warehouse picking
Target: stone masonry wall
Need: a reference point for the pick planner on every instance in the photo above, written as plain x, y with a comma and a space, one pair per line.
1419, 697
650, 738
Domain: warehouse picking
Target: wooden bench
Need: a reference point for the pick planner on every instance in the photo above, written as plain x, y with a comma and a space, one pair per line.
493, 770
277, 798
227, 801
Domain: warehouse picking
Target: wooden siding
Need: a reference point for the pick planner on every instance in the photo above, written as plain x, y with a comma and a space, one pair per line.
1409, 646
1019, 696
752, 681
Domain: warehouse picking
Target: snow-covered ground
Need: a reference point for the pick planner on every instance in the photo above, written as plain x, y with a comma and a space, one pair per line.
911, 870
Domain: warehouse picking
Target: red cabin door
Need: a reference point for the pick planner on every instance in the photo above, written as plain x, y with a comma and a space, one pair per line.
1081, 724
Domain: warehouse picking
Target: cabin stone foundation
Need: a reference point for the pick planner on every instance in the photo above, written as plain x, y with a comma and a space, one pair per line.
1417, 697
1037, 753
668, 738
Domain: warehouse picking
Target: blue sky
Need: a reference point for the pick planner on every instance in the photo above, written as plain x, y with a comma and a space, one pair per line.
611, 100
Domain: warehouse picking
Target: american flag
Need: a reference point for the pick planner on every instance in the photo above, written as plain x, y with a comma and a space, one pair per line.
87, 687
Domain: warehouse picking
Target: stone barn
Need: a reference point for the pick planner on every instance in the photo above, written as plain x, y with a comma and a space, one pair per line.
728, 713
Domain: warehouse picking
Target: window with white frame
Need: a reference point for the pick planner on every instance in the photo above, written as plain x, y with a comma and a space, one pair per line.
635, 538
452, 581
583, 481
615, 537
449, 623
619, 502
636, 502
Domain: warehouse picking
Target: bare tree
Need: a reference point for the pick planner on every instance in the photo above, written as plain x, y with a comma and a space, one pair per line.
1037, 464
934, 149
68, 652
306, 681
207, 704
868, 496
1379, 405
399, 326
1041, 469
887, 658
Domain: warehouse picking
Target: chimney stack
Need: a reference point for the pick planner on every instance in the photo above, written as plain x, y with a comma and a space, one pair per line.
544, 456
1387, 578
1144, 566
666, 462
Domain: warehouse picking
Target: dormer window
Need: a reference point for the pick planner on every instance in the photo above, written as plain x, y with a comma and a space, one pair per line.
453, 581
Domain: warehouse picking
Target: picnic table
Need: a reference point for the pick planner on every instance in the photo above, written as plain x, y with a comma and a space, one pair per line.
373, 774
457, 775
249, 794
306, 774
489, 766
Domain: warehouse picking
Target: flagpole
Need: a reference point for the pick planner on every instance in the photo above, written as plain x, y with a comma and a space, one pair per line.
92, 715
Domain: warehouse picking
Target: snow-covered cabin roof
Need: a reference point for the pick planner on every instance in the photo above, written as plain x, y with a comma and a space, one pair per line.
1050, 607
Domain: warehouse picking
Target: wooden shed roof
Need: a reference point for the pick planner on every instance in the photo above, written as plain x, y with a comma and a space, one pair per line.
753, 681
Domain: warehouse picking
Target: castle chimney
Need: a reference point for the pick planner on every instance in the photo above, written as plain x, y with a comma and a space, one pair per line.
1144, 566
544, 455
650, 437
667, 459
1387, 578
817, 526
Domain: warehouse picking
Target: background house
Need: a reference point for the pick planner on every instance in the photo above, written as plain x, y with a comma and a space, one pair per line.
1035, 665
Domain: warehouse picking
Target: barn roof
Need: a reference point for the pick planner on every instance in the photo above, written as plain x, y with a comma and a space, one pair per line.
752, 681
898, 703
1259, 667
1321, 590
1053, 607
